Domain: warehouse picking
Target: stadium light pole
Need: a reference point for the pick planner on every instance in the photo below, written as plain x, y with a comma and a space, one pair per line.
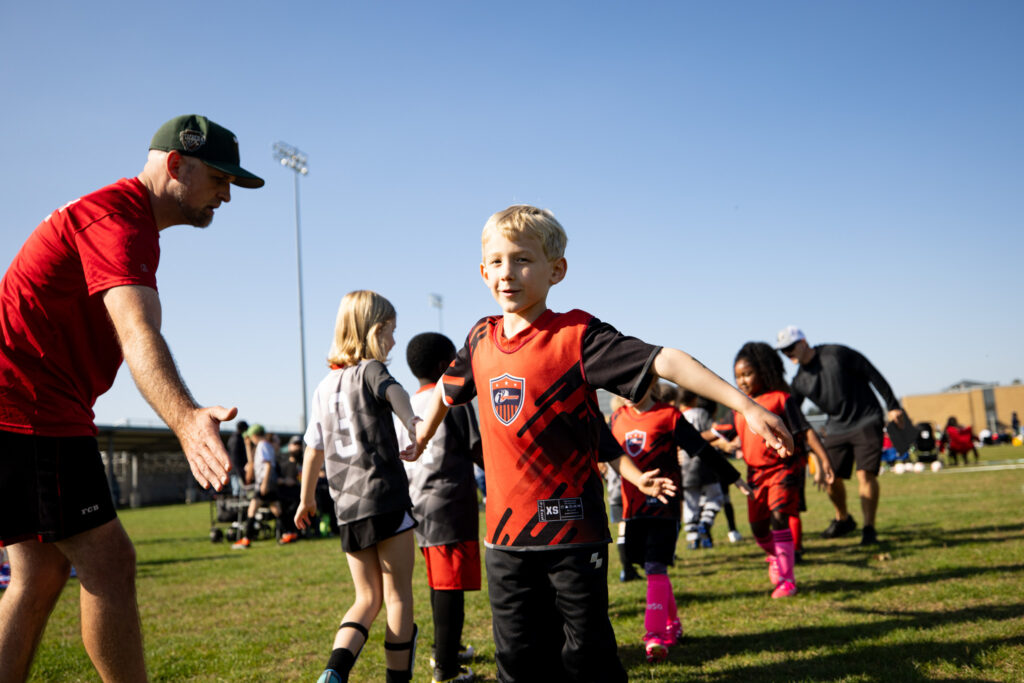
437, 301
291, 157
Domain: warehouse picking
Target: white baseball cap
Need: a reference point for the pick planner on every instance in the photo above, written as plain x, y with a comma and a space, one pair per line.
788, 336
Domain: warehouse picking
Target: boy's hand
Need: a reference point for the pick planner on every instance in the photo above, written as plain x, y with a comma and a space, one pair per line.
771, 428
305, 513
744, 487
658, 487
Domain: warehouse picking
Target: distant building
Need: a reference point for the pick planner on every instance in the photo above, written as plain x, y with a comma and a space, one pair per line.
979, 404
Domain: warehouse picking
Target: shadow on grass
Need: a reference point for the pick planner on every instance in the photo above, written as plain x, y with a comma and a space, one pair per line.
845, 659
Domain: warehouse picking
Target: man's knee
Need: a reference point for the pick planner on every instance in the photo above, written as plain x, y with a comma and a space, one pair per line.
43, 580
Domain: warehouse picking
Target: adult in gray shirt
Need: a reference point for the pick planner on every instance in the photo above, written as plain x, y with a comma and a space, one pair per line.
839, 380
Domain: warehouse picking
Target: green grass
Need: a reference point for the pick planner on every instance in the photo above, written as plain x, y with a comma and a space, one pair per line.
942, 598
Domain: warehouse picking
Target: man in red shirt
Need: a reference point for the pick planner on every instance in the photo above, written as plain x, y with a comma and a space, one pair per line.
79, 297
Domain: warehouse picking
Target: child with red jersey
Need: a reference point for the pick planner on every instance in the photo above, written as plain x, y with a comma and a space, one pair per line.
651, 432
535, 373
775, 477
351, 429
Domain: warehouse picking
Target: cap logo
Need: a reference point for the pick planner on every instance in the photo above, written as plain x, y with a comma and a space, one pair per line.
191, 140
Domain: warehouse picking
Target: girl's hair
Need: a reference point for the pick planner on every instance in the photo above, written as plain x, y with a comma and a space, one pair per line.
361, 316
766, 363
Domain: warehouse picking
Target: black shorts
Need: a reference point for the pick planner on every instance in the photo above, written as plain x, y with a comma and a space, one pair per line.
549, 615
368, 532
51, 488
862, 445
651, 539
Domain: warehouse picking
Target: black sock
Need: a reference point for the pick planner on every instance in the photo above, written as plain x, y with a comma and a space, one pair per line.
341, 661
399, 676
449, 615
730, 516
250, 528
627, 566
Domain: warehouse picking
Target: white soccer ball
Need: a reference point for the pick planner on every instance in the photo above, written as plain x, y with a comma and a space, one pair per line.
919, 467
936, 466
898, 468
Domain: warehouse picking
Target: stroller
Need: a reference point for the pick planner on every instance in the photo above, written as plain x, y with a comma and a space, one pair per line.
232, 512
925, 446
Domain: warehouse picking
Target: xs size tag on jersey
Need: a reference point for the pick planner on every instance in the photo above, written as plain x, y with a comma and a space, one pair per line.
560, 509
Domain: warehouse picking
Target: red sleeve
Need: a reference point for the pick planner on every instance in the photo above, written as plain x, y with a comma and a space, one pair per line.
115, 251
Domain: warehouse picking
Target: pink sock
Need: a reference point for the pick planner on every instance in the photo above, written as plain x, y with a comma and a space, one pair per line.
783, 540
659, 593
673, 612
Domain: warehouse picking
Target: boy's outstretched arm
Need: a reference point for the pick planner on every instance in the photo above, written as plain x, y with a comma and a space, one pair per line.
679, 367
649, 483
432, 418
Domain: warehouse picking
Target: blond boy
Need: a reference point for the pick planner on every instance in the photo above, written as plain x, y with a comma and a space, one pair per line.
535, 373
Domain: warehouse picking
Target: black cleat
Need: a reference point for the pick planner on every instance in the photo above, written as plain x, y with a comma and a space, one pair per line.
840, 527
868, 536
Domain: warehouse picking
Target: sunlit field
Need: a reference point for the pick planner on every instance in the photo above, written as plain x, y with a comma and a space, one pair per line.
941, 598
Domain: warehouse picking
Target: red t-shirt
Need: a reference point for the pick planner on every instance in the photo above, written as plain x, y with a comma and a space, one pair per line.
540, 424
652, 439
58, 348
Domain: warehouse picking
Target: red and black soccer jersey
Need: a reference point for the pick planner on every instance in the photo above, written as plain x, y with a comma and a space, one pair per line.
540, 423
651, 438
757, 453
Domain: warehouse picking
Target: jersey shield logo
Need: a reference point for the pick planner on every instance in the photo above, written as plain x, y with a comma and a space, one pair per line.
507, 397
635, 442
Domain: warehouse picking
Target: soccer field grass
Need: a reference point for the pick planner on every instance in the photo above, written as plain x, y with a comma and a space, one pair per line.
942, 598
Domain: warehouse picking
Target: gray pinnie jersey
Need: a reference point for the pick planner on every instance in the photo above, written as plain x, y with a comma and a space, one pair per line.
352, 424
441, 480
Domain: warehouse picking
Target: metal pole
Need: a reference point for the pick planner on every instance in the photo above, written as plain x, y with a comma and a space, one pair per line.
302, 326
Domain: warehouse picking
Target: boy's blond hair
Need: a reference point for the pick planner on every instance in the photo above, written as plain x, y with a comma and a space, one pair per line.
523, 219
361, 316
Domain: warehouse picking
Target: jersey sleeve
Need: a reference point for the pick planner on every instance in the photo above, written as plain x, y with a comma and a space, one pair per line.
378, 379
616, 362
115, 252
457, 380
314, 436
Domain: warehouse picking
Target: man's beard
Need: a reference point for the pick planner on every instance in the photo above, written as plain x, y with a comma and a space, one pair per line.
199, 217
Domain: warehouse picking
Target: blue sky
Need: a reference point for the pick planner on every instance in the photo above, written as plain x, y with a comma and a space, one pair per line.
722, 170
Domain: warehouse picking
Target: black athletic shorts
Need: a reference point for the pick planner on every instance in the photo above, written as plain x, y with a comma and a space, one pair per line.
862, 445
369, 532
51, 488
651, 539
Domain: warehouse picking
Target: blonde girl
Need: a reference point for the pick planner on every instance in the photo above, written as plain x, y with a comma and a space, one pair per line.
352, 429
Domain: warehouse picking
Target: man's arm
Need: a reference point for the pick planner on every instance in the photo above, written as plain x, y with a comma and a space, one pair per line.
871, 373
136, 314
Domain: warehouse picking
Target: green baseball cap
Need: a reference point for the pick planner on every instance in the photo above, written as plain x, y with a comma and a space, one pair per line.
199, 137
